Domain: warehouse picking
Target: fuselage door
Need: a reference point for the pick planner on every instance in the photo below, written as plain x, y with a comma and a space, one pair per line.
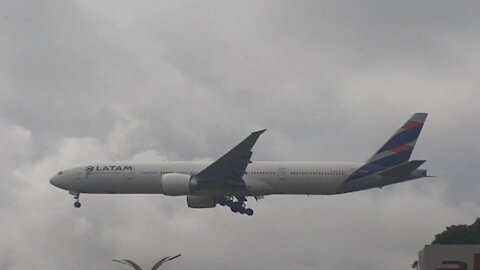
130, 172
282, 173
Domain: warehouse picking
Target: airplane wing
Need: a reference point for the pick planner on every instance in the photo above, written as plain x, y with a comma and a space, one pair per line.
230, 168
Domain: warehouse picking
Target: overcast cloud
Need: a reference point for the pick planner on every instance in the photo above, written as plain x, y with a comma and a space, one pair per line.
84, 81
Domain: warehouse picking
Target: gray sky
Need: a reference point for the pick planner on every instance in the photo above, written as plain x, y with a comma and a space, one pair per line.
84, 81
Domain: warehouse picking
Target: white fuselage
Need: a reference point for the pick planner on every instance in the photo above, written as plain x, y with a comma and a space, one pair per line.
233, 177
261, 178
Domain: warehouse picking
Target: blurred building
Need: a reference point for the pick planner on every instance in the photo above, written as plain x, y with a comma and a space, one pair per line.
448, 257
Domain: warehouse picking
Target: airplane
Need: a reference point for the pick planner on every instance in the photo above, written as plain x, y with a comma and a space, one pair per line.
232, 178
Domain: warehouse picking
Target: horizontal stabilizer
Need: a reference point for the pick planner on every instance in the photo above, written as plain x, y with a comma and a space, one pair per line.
403, 169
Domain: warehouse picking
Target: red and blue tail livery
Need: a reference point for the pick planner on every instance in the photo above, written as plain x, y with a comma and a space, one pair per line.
399, 147
396, 151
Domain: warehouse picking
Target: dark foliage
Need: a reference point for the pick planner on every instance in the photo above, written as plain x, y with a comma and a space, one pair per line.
460, 235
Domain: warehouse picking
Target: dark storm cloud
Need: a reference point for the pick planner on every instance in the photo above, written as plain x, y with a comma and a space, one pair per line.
85, 81
388, 33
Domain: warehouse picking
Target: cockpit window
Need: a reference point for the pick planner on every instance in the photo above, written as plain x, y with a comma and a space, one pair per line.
59, 173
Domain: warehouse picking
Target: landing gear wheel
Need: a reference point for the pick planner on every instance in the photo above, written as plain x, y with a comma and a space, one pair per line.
237, 206
222, 201
76, 196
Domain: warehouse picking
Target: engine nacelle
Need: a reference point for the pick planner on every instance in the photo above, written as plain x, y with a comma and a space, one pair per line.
201, 201
176, 184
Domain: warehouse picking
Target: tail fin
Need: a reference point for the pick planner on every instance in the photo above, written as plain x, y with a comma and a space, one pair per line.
397, 150
399, 147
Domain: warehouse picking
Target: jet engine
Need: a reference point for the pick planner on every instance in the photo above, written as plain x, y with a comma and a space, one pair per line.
177, 184
200, 201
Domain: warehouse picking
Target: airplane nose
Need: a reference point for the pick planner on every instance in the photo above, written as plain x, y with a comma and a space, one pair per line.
61, 180
54, 181
58, 181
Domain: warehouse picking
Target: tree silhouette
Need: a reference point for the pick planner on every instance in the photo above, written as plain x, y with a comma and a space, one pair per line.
459, 235
155, 266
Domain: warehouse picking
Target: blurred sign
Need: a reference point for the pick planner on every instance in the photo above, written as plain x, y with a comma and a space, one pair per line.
449, 257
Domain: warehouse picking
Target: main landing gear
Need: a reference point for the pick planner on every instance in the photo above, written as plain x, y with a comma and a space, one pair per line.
237, 206
76, 196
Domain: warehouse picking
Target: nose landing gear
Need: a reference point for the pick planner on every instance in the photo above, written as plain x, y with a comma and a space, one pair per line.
77, 204
76, 196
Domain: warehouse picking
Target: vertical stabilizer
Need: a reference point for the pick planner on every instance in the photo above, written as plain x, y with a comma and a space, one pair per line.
397, 150
399, 147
